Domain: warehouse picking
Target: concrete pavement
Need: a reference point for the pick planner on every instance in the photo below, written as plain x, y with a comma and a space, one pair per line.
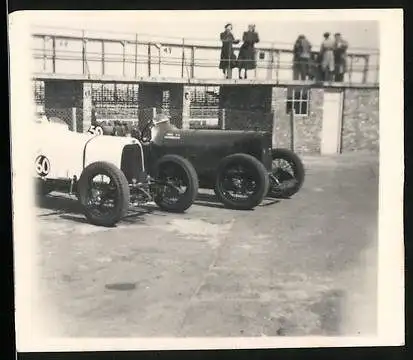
302, 266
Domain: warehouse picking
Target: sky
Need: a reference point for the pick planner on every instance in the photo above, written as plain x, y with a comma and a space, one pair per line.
278, 27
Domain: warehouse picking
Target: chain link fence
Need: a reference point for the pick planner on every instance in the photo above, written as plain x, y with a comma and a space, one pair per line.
68, 115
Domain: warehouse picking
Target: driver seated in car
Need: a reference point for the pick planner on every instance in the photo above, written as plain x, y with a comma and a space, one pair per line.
161, 124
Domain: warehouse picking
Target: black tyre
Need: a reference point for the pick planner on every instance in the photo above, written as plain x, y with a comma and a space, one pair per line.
242, 182
176, 183
104, 193
287, 175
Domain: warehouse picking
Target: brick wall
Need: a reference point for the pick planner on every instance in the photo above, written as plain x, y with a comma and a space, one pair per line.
360, 120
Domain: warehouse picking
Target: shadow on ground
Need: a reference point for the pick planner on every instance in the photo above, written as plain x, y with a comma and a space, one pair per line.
210, 200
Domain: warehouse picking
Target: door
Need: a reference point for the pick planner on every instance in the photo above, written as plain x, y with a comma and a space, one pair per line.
332, 119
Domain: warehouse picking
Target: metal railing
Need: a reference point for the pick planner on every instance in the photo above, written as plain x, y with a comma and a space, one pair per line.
62, 54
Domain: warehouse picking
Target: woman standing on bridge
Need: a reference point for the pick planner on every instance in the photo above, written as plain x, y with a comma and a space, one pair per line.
228, 58
246, 56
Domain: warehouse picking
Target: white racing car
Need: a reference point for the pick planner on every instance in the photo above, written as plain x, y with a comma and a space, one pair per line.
108, 174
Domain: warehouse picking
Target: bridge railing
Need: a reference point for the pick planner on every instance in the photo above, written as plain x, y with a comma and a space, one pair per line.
63, 54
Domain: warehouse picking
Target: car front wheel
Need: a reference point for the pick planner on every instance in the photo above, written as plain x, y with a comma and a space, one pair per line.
104, 193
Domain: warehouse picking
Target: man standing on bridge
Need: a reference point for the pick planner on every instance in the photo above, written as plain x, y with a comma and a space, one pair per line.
327, 57
340, 50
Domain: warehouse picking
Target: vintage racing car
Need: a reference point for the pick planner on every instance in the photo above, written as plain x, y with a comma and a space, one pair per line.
107, 173
241, 166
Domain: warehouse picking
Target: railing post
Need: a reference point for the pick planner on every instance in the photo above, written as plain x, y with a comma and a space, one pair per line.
54, 54
183, 57
192, 61
103, 57
277, 71
123, 57
271, 65
366, 68
149, 59
377, 72
223, 119
292, 130
44, 53
136, 55
83, 53
350, 73
159, 60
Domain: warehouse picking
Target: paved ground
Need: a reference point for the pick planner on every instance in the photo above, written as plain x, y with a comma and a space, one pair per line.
301, 266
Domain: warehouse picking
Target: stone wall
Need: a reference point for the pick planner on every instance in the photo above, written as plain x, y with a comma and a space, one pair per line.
307, 136
307, 133
360, 129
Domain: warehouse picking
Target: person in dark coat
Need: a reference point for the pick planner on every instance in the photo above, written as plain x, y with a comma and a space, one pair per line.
228, 58
340, 61
314, 72
246, 56
302, 57
296, 59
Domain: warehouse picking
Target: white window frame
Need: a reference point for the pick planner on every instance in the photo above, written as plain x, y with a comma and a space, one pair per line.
301, 99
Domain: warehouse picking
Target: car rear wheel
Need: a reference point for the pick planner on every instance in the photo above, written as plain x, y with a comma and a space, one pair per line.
176, 183
103, 191
242, 182
287, 175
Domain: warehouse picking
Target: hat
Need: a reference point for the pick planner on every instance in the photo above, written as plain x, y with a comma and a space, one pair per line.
337, 34
229, 24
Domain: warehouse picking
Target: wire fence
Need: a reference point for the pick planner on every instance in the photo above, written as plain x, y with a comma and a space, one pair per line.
121, 121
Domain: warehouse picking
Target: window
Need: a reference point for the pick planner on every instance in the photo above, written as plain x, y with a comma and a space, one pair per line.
38, 89
204, 102
125, 94
299, 100
165, 102
204, 96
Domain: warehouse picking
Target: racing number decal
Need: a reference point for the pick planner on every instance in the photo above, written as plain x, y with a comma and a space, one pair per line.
42, 165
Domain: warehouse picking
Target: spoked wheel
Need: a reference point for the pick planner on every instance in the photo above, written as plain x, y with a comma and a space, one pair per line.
287, 175
104, 193
242, 182
176, 183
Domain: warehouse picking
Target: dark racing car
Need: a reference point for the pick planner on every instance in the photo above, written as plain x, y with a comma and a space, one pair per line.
240, 166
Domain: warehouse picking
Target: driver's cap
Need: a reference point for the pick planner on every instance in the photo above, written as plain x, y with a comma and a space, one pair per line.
160, 118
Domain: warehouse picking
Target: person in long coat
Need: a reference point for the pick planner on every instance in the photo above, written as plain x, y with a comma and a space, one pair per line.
228, 58
246, 56
340, 60
302, 58
327, 57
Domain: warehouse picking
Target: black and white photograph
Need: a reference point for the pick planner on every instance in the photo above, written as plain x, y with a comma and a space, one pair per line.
207, 179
